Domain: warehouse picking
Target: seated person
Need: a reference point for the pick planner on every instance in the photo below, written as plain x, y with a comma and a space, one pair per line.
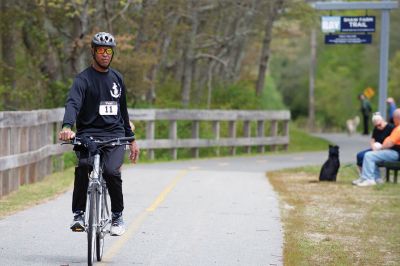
388, 152
381, 130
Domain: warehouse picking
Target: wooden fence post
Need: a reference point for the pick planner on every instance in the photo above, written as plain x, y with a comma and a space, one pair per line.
274, 132
216, 132
6, 182
261, 134
24, 178
49, 140
150, 134
247, 134
195, 135
286, 133
5, 147
173, 135
232, 134
14, 174
4, 151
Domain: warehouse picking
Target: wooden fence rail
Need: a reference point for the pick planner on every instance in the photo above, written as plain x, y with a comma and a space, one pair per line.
29, 149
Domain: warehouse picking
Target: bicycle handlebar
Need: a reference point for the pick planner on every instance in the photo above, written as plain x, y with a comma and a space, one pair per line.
101, 143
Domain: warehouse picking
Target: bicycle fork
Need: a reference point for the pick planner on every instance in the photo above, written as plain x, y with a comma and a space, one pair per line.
94, 187
101, 207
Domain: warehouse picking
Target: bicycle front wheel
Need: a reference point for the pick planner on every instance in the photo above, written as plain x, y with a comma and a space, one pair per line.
99, 246
91, 233
103, 216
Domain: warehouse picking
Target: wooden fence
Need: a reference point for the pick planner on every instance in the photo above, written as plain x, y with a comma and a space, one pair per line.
29, 149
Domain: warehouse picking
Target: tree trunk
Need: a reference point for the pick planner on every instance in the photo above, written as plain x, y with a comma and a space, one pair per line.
188, 55
141, 34
78, 59
275, 6
107, 16
52, 61
187, 76
248, 23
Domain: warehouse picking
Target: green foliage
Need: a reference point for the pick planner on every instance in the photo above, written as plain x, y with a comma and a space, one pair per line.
339, 80
289, 72
343, 71
302, 141
3, 90
394, 74
237, 96
271, 98
241, 96
57, 94
168, 94
52, 39
69, 159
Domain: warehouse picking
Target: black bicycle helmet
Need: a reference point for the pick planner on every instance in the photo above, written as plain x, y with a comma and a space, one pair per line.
103, 39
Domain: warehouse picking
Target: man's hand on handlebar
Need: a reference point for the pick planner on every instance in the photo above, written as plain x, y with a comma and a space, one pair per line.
66, 134
134, 154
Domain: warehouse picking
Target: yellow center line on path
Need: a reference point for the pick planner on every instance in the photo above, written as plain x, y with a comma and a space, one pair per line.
138, 221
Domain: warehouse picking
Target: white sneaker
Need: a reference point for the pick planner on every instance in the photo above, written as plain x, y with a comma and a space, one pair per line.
117, 230
379, 181
357, 181
366, 183
117, 225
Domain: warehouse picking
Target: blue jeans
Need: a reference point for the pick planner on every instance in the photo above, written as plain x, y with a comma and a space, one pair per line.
360, 156
369, 168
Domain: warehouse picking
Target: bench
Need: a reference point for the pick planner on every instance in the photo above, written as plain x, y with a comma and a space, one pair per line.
394, 165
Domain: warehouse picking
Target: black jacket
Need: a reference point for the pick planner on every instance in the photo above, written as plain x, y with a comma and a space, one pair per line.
91, 89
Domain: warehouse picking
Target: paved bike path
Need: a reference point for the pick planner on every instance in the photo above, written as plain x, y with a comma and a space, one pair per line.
198, 212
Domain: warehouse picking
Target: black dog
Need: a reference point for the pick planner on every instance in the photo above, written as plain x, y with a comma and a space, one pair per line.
331, 167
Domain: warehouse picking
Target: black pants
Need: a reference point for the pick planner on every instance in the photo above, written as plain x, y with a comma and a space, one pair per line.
112, 159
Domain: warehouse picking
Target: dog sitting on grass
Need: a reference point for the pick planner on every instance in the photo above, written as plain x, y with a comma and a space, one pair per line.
330, 168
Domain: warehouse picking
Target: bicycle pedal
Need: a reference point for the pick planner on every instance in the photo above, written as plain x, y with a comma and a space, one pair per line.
78, 229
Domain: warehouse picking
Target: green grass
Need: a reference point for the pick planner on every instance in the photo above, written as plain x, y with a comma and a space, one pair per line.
31, 194
336, 223
301, 141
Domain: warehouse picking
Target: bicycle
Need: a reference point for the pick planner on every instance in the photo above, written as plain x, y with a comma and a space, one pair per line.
97, 214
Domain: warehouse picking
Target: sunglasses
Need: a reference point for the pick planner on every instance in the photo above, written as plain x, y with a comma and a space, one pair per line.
102, 50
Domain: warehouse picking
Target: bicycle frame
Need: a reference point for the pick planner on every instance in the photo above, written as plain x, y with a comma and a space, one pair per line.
98, 185
97, 214
101, 213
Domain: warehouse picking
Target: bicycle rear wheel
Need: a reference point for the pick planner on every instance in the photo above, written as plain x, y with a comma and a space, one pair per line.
91, 227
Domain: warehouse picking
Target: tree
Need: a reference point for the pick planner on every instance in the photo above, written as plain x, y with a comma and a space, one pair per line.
274, 7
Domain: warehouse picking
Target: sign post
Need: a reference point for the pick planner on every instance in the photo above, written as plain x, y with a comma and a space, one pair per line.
385, 7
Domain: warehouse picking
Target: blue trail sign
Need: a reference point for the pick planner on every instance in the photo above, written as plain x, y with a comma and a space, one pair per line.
357, 24
348, 39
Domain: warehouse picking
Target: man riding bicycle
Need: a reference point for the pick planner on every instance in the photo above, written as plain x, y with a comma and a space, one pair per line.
97, 104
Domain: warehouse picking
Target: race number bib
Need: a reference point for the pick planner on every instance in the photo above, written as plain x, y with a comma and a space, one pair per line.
108, 108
